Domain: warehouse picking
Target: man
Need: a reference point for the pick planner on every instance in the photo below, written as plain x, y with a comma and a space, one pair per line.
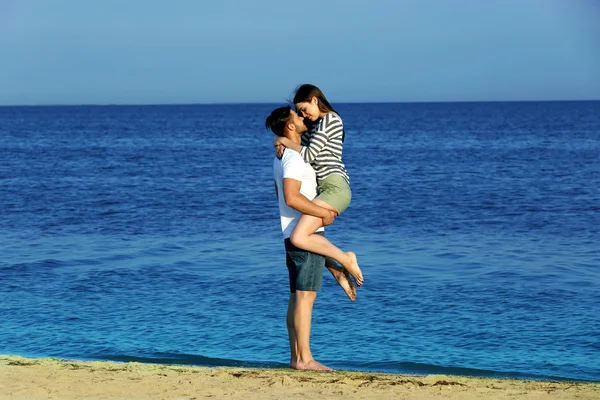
296, 186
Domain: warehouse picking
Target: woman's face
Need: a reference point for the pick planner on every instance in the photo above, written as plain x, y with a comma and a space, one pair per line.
309, 109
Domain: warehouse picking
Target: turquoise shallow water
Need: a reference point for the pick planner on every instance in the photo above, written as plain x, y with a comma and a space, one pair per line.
151, 233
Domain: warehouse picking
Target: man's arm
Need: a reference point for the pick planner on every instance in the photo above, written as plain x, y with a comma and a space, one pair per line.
276, 191
297, 201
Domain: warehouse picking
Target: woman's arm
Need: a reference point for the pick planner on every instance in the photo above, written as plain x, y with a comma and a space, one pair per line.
280, 140
329, 126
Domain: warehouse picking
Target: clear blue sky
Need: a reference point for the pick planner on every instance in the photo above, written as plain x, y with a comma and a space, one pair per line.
222, 51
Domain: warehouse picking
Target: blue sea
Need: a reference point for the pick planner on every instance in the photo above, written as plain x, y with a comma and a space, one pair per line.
151, 233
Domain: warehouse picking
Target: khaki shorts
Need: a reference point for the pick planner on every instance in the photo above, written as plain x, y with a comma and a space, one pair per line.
335, 191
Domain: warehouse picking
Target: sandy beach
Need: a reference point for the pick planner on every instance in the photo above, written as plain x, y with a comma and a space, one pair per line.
25, 378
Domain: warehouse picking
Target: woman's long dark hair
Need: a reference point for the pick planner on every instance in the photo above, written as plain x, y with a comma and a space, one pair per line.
307, 91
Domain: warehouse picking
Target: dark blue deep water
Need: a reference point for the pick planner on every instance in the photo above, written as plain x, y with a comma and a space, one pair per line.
151, 233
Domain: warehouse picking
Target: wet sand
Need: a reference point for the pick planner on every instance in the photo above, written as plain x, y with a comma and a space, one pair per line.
26, 378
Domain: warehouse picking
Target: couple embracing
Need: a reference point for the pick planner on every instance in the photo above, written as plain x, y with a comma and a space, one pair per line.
309, 162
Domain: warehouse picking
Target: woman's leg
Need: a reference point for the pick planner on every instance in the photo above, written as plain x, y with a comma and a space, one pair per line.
303, 236
342, 277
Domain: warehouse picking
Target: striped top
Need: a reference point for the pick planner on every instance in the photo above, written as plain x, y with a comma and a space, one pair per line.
322, 147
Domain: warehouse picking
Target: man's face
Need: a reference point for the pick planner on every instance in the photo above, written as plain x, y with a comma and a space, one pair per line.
298, 122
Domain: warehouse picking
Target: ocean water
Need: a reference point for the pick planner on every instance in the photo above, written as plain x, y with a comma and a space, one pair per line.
151, 233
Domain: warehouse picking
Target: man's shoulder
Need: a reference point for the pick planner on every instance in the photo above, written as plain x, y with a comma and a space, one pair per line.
290, 154
293, 163
289, 158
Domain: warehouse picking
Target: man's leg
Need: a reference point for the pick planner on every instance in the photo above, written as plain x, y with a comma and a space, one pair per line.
302, 324
292, 331
306, 275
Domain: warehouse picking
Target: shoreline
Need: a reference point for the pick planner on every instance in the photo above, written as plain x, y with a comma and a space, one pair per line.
34, 378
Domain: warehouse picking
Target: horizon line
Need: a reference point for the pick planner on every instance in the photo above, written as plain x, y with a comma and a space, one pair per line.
271, 103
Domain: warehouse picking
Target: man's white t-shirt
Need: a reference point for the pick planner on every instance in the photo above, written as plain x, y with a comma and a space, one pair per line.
292, 166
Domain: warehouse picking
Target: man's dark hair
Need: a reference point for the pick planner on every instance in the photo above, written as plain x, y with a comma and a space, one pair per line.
277, 120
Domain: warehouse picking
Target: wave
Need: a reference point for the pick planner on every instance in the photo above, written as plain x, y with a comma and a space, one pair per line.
429, 369
189, 359
386, 367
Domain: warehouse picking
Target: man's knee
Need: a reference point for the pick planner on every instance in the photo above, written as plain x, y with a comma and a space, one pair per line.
305, 295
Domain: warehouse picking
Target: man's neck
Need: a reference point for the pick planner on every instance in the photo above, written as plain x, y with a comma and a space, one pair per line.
294, 137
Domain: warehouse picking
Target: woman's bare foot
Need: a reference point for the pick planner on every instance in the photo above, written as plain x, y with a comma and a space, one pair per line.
342, 277
312, 365
354, 269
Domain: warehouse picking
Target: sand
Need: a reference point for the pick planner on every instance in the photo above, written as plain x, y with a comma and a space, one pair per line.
26, 378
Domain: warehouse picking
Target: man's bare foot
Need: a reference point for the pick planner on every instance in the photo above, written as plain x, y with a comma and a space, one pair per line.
312, 365
342, 277
292, 364
354, 269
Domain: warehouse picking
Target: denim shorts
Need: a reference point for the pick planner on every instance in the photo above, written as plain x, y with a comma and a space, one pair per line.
305, 268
